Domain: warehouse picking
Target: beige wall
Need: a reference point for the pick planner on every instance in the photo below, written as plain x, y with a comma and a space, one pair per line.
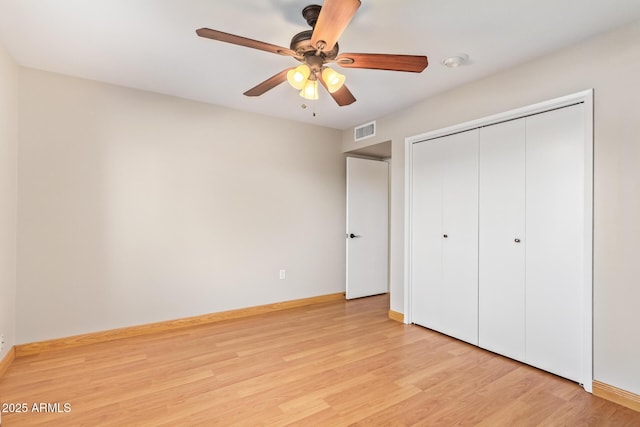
8, 196
136, 207
610, 64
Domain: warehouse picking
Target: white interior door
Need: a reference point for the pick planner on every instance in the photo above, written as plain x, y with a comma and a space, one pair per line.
501, 285
367, 227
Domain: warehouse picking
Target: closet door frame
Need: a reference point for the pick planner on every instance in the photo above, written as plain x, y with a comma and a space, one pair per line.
585, 97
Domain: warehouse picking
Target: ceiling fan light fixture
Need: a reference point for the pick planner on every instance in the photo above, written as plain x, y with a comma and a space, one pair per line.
310, 90
298, 77
315, 49
333, 79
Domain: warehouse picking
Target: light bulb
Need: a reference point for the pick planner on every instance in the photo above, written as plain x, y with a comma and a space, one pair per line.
332, 79
298, 76
310, 90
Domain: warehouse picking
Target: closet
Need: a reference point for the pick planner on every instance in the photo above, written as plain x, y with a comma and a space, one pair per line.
497, 237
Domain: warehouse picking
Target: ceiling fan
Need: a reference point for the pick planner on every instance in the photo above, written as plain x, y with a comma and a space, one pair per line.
318, 47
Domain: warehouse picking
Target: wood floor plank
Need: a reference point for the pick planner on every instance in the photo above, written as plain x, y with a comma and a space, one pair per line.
337, 363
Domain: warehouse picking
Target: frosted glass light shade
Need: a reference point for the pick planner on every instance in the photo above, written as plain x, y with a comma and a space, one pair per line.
298, 76
310, 90
333, 79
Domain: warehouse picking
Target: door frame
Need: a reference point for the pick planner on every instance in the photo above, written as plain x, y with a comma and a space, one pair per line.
585, 97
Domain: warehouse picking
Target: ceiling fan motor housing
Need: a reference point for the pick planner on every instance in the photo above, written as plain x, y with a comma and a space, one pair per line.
301, 45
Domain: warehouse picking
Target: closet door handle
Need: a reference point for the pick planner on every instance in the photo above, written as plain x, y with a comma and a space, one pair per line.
445, 235
516, 240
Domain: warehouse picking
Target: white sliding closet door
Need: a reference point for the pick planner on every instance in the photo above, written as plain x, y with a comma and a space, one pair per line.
501, 282
555, 216
445, 241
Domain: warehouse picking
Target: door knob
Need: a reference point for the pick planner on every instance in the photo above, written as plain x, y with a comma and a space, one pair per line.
353, 236
517, 240
445, 236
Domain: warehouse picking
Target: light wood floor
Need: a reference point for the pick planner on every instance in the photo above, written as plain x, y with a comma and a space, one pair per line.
333, 364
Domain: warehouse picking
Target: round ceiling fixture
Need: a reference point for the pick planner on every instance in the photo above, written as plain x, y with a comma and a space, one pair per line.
456, 60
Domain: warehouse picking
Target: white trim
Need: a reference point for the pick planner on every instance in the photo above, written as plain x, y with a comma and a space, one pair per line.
587, 334
346, 230
585, 97
501, 117
408, 191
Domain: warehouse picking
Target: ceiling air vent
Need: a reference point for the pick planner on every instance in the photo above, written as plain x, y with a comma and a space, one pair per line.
364, 131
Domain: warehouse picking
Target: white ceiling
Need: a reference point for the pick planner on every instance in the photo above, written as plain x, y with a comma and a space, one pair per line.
152, 45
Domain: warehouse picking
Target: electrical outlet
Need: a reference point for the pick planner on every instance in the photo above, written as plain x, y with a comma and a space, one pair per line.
283, 274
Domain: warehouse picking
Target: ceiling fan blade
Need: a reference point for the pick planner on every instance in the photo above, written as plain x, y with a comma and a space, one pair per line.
243, 41
268, 84
334, 17
381, 61
342, 96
